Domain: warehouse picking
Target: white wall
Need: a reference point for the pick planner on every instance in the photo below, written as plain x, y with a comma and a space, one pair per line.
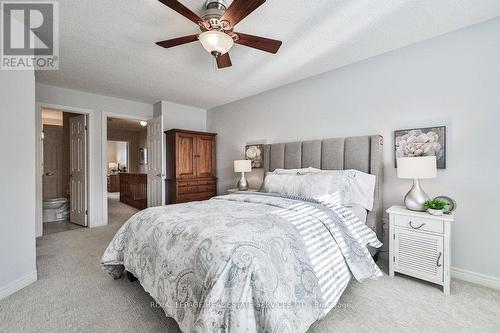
183, 117
17, 181
451, 80
118, 153
98, 105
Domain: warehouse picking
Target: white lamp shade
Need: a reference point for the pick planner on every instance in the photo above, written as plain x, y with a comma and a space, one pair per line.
417, 167
216, 41
242, 166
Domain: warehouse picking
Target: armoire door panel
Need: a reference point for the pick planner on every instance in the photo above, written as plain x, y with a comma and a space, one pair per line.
204, 156
185, 155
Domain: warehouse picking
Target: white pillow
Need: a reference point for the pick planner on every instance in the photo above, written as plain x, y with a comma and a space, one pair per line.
309, 185
360, 212
293, 171
362, 185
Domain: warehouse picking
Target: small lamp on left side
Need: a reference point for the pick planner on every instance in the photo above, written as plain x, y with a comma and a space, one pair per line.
113, 165
242, 166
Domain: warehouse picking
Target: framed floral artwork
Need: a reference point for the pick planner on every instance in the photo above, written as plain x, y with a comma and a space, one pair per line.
254, 154
416, 142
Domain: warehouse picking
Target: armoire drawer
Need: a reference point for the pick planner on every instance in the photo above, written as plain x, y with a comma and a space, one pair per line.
206, 182
194, 196
195, 182
206, 188
188, 189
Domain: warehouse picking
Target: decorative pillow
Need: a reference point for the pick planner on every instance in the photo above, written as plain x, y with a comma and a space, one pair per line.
294, 171
309, 185
362, 185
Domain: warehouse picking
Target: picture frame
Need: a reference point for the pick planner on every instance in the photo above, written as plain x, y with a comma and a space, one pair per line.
421, 141
255, 154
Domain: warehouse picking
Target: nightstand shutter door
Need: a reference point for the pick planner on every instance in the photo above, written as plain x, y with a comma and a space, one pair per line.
419, 254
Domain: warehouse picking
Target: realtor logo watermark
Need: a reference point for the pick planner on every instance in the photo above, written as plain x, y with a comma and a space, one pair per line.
30, 35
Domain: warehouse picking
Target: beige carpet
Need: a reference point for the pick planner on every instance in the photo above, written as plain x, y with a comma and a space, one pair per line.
74, 295
53, 227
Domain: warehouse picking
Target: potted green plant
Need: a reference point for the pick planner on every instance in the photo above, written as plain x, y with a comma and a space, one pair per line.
435, 206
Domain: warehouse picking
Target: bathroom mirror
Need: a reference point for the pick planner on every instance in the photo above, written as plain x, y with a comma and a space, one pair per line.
143, 156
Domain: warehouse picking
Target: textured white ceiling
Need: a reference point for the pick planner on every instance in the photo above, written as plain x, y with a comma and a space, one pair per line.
107, 47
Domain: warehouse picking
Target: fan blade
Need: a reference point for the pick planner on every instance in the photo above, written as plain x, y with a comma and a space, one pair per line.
183, 10
260, 43
178, 41
239, 9
224, 61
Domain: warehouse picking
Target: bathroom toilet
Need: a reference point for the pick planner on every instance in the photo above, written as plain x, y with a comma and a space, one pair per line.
56, 209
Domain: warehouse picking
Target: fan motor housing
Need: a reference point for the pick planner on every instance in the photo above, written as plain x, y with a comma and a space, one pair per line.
214, 9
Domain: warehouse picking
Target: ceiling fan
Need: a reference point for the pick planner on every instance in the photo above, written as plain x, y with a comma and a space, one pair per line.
217, 24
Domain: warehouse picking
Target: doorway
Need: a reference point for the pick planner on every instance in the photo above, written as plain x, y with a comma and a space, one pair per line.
126, 161
64, 170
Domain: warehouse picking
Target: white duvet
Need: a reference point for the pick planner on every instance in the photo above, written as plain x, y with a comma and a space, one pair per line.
246, 262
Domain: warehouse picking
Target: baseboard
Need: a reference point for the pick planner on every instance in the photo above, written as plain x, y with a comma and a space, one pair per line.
97, 223
18, 284
477, 278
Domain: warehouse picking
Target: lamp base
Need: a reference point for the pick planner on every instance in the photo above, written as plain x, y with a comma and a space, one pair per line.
242, 183
416, 197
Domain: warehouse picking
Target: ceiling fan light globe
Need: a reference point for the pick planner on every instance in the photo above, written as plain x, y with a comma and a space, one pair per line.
216, 41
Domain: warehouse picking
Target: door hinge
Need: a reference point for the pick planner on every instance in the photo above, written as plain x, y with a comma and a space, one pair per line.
393, 236
86, 212
85, 127
393, 259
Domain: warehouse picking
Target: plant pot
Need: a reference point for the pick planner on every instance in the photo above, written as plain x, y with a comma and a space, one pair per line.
436, 212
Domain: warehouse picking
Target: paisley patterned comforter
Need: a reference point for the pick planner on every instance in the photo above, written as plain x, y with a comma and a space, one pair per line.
245, 262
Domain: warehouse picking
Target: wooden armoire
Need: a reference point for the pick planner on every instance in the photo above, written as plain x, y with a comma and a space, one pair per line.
190, 172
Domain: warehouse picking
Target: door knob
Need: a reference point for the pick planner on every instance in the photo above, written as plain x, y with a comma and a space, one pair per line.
49, 174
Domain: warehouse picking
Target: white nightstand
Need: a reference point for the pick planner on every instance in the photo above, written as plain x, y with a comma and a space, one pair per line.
234, 190
419, 245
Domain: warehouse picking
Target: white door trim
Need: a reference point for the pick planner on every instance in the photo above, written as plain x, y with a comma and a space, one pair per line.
38, 156
155, 169
104, 156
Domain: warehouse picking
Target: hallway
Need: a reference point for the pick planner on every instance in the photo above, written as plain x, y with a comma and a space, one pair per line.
118, 212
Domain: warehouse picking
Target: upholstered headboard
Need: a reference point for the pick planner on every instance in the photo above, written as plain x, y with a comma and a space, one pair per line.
362, 153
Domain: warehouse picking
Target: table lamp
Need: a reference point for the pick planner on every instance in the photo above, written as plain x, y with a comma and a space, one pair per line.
416, 168
242, 166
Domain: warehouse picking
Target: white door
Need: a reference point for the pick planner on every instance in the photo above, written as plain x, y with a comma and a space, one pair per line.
155, 165
52, 178
78, 170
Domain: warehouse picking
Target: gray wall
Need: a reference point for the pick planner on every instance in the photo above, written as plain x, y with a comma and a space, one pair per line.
452, 80
183, 117
17, 180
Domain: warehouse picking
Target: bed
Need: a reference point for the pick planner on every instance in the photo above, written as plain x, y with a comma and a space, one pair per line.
256, 262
